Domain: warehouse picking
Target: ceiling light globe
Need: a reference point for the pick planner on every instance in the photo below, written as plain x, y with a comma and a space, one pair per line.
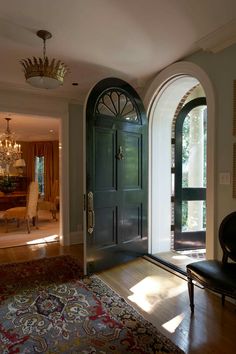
44, 82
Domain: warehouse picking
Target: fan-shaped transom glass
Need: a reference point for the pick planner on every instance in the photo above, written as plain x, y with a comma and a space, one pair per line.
116, 104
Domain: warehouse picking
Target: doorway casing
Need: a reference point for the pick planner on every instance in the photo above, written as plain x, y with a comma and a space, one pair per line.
161, 100
53, 107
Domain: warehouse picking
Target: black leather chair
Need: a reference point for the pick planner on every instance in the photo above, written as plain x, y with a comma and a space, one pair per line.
216, 275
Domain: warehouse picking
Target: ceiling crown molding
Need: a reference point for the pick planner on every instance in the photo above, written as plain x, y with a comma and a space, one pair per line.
219, 39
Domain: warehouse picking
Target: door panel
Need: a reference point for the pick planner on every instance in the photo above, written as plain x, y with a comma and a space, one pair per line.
131, 223
105, 144
116, 175
131, 169
105, 230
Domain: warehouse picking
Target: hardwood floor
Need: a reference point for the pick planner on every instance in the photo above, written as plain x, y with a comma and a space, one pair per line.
160, 296
47, 230
27, 253
177, 259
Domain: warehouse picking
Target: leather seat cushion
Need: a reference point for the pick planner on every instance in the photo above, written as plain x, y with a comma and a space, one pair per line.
215, 274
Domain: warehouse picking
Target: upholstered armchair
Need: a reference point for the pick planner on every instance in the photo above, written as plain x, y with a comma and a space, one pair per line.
26, 213
218, 276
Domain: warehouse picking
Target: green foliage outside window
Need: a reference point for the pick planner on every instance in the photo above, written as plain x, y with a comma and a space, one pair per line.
185, 158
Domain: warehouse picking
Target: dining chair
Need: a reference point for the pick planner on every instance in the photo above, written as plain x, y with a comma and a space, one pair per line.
217, 276
27, 213
52, 204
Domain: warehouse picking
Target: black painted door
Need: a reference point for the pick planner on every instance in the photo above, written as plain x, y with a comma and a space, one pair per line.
116, 175
190, 176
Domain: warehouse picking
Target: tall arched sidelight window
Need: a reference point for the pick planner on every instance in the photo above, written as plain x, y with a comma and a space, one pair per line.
189, 193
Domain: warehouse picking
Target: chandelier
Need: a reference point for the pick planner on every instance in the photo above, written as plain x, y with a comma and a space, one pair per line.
10, 151
41, 72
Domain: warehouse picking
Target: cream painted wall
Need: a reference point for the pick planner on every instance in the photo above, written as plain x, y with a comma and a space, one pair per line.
221, 69
76, 168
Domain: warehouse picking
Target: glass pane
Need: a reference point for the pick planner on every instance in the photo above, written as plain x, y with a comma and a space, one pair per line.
116, 104
194, 148
194, 215
39, 173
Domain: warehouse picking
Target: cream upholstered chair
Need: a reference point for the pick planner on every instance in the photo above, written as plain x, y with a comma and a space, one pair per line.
27, 213
51, 205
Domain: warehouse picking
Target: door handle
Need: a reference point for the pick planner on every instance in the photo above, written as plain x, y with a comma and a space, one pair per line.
120, 155
91, 214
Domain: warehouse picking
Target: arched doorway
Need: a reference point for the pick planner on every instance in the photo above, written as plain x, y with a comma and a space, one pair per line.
161, 100
116, 175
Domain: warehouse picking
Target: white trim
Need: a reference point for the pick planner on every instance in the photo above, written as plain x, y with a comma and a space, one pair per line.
64, 179
153, 95
84, 180
219, 39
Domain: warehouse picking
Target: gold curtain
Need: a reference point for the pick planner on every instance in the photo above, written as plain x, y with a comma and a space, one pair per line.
50, 151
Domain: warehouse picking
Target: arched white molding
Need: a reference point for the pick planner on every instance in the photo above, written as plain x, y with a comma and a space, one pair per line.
160, 100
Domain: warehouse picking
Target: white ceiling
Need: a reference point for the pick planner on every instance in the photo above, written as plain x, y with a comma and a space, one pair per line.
130, 39
30, 128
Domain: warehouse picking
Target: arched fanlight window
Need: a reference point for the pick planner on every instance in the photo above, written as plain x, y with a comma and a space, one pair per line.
114, 103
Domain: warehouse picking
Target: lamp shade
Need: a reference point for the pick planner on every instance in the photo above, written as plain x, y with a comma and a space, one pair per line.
20, 163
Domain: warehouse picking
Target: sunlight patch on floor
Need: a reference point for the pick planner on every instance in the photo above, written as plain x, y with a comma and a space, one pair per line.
171, 325
51, 238
180, 257
152, 290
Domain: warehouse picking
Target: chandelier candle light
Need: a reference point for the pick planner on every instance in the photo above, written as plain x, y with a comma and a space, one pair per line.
41, 72
10, 151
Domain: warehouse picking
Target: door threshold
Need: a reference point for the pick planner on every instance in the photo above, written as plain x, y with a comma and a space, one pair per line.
167, 266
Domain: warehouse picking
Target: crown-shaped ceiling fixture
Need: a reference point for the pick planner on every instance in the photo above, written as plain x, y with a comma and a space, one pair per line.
41, 72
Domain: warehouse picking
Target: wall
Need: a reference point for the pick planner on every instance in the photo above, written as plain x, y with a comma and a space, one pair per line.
221, 69
76, 171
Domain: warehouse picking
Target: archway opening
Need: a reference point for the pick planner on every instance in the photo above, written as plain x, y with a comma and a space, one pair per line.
163, 101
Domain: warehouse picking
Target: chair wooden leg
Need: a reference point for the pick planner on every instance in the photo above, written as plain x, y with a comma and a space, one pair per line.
191, 293
54, 214
36, 221
28, 225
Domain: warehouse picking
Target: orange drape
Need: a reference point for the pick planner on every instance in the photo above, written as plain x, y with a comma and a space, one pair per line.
50, 151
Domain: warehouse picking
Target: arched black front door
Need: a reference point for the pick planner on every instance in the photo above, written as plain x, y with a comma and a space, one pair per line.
116, 183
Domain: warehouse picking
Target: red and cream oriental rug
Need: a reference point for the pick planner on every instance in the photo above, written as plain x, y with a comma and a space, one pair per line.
47, 306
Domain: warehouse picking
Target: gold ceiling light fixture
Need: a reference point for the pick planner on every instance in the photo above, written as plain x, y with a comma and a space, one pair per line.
42, 72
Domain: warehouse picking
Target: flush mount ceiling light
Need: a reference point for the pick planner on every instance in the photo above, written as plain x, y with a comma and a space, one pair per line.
41, 72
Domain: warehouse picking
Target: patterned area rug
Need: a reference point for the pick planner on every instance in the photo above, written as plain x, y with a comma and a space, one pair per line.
46, 306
